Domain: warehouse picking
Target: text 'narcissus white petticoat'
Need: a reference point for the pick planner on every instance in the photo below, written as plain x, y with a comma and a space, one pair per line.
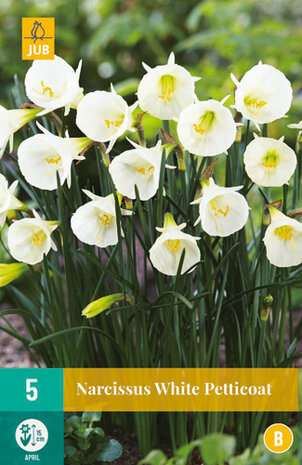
283, 240
166, 252
222, 210
206, 128
166, 90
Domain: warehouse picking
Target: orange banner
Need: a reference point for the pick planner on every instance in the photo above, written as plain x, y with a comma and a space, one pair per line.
178, 389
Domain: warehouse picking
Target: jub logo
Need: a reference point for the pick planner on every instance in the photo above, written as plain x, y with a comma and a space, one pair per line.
38, 38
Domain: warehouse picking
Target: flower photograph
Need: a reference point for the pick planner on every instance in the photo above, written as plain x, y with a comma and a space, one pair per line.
151, 210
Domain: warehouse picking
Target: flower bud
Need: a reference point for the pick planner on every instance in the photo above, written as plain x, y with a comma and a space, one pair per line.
11, 272
266, 307
104, 303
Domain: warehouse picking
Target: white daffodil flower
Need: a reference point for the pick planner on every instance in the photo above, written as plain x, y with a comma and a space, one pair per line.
10, 122
166, 252
222, 210
269, 162
283, 240
166, 90
139, 166
41, 156
104, 116
29, 239
206, 128
263, 95
95, 222
53, 84
7, 199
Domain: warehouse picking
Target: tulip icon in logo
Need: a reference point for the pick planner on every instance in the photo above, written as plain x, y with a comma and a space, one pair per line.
37, 32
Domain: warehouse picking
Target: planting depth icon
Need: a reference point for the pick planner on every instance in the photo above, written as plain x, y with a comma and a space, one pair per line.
31, 435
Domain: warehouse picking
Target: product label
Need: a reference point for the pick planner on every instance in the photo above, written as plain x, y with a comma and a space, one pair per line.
38, 38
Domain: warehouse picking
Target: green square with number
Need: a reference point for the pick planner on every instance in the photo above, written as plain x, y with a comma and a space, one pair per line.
31, 389
32, 438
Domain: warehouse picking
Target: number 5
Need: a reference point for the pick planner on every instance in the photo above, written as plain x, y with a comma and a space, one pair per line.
31, 391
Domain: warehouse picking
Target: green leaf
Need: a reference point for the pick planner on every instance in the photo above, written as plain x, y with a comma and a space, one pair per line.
240, 459
70, 451
74, 421
99, 431
217, 448
111, 452
91, 417
179, 296
84, 444
155, 457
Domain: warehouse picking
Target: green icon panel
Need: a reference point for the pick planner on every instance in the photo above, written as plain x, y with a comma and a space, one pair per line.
32, 437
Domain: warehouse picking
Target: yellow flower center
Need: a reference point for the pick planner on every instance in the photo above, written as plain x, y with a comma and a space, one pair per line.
167, 87
270, 160
174, 245
53, 160
205, 123
254, 104
105, 219
143, 169
115, 123
219, 209
285, 232
46, 90
39, 237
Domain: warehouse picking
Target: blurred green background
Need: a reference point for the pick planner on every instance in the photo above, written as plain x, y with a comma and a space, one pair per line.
212, 38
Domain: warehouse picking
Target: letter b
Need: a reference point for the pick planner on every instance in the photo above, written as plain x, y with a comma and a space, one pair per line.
45, 50
278, 438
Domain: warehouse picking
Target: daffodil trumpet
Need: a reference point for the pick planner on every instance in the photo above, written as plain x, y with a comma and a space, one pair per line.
206, 128
166, 90
172, 246
263, 95
29, 239
269, 162
42, 156
222, 210
53, 84
95, 222
137, 167
104, 116
283, 240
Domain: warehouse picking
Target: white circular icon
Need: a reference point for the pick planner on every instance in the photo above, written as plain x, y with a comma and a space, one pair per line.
31, 435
